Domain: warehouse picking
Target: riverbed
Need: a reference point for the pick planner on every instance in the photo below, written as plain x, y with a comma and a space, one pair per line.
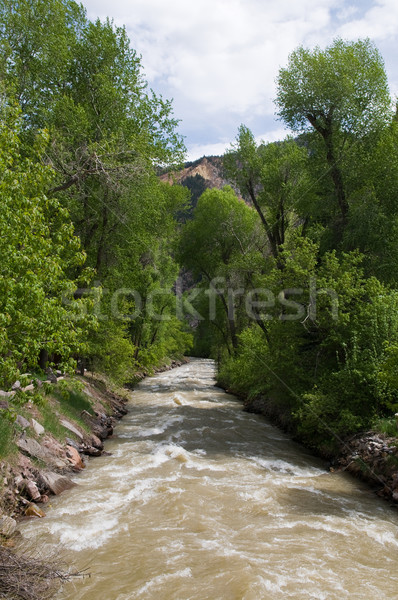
199, 500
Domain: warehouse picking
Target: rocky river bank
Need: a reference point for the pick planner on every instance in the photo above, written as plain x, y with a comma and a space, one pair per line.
371, 456
43, 464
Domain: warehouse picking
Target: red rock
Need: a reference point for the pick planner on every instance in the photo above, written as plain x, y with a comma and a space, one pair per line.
74, 458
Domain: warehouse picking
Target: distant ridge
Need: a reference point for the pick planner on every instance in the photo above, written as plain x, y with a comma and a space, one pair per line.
209, 168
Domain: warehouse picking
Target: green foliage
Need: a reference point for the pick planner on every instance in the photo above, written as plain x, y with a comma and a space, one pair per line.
7, 447
387, 426
111, 352
72, 398
219, 246
274, 179
104, 135
343, 87
38, 248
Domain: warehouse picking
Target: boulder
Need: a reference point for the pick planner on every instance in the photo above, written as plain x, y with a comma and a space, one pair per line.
71, 428
38, 429
22, 422
32, 490
33, 448
96, 442
56, 483
7, 526
72, 443
91, 451
100, 424
33, 510
74, 458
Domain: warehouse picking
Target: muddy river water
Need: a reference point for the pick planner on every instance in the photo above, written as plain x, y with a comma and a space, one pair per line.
202, 501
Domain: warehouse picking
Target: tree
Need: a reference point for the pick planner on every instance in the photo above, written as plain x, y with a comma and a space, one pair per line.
219, 246
38, 247
108, 133
274, 178
341, 93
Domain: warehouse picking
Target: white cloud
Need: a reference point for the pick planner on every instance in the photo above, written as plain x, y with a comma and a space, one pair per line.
222, 55
198, 150
378, 23
219, 59
219, 148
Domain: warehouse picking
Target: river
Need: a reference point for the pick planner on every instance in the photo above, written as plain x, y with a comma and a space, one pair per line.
202, 501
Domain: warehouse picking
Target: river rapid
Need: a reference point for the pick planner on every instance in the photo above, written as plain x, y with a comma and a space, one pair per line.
202, 501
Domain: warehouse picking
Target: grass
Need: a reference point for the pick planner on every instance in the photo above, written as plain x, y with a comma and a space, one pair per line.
7, 445
72, 403
68, 402
387, 426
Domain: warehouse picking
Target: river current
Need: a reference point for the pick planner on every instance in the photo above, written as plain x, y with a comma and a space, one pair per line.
202, 501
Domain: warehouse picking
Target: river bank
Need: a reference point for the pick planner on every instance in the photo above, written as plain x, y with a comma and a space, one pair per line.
55, 439
52, 441
371, 456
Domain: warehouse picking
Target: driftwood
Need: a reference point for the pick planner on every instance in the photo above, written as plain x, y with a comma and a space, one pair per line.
23, 576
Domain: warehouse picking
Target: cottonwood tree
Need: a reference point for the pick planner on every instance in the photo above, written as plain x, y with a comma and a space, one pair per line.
108, 134
274, 179
341, 93
219, 246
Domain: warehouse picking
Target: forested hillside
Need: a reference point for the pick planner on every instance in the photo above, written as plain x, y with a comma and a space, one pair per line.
297, 288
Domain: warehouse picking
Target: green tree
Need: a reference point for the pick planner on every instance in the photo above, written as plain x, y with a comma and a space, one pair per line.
108, 135
274, 178
341, 93
219, 247
38, 247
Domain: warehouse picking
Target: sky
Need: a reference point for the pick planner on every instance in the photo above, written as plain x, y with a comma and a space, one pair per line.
218, 59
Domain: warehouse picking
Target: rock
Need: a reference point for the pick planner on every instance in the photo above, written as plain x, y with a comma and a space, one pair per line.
395, 496
72, 443
74, 458
71, 428
33, 448
96, 442
34, 511
101, 424
19, 482
22, 422
91, 451
56, 483
51, 375
32, 490
39, 429
7, 526
16, 386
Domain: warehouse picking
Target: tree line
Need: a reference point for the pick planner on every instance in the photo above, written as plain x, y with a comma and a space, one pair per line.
302, 274
85, 225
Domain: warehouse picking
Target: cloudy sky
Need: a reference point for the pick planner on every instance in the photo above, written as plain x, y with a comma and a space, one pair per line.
218, 59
